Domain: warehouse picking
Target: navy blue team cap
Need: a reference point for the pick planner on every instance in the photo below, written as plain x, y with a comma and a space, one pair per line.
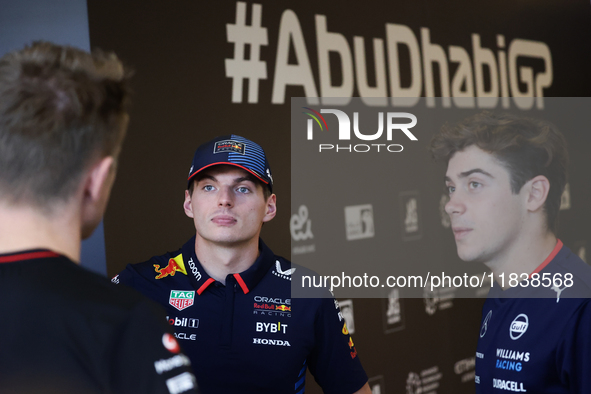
235, 151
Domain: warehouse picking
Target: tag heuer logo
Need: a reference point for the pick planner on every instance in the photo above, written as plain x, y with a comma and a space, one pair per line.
181, 299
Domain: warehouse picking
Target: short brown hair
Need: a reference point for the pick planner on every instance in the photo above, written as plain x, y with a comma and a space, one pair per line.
60, 108
526, 147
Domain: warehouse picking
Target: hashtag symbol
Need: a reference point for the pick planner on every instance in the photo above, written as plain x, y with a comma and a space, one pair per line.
240, 68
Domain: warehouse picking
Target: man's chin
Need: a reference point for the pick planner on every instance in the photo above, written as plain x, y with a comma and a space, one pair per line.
466, 255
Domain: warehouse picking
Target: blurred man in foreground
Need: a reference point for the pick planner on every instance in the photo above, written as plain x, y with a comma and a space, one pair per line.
63, 116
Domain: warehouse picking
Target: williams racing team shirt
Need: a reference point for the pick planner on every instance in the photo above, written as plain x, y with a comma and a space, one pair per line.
249, 335
538, 339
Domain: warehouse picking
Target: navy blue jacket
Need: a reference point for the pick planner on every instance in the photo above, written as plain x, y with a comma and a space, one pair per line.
249, 335
538, 339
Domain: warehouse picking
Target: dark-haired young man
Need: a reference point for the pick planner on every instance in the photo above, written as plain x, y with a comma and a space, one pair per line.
229, 296
505, 177
63, 116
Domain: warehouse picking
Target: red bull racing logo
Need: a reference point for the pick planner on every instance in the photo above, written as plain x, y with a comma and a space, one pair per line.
229, 146
181, 299
173, 266
270, 306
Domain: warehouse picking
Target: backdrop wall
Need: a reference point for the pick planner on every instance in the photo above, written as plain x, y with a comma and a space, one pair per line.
211, 68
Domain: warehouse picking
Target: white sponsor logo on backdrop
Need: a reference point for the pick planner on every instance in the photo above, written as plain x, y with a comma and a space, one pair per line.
411, 227
440, 298
377, 385
359, 222
392, 312
411, 221
300, 227
347, 313
427, 381
565, 198
465, 368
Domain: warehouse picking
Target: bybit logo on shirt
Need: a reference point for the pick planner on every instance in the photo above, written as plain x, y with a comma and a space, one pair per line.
344, 130
271, 327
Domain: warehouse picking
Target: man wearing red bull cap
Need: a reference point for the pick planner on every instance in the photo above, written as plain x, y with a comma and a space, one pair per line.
229, 296
63, 117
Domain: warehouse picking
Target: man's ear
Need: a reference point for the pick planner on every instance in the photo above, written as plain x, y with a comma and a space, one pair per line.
96, 187
98, 178
537, 190
271, 208
187, 204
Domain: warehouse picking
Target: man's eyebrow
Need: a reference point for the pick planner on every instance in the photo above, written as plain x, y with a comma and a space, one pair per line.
244, 178
470, 172
207, 176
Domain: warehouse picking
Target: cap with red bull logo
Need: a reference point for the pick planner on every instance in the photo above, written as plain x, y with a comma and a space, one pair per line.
236, 151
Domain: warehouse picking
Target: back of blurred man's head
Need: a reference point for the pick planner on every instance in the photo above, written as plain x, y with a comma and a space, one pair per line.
61, 110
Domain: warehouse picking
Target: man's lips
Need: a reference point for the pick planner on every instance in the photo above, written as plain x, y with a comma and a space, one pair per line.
223, 220
461, 232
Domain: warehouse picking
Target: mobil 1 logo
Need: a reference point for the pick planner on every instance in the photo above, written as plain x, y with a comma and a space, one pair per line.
183, 322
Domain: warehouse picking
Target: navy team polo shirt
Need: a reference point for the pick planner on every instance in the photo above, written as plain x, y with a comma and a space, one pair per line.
529, 344
250, 336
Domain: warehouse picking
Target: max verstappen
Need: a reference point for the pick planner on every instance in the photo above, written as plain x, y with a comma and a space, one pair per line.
229, 296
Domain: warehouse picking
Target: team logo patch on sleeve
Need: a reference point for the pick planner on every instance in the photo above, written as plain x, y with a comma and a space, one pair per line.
282, 274
181, 299
174, 265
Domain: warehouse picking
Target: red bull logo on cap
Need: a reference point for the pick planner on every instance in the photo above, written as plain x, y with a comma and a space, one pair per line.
229, 146
174, 265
